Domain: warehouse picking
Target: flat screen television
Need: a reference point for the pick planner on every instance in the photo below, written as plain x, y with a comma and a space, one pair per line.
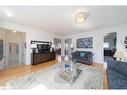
43, 48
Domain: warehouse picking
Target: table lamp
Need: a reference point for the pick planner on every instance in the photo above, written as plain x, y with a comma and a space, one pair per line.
120, 54
66, 58
34, 46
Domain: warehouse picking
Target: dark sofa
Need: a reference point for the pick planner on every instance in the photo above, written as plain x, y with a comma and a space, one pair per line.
83, 57
117, 75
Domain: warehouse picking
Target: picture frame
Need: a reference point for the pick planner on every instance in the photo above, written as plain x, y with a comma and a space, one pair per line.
84, 42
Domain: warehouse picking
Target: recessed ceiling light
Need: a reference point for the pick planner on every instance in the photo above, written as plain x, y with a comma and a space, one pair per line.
9, 14
14, 31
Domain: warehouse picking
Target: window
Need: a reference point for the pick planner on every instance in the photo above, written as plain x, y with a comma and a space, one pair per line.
106, 45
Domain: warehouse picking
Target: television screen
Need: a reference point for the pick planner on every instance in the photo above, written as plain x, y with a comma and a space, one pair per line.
39, 48
43, 48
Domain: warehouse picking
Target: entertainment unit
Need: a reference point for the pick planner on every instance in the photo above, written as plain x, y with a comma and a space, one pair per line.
41, 52
38, 58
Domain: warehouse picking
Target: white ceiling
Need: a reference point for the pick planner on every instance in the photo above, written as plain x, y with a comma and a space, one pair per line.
60, 19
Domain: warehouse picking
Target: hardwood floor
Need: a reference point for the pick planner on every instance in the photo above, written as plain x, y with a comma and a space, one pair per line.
105, 83
12, 73
100, 67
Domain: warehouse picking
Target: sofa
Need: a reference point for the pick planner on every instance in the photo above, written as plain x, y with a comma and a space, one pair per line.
117, 75
84, 57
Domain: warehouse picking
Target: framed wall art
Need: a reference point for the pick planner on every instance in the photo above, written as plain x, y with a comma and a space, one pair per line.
84, 42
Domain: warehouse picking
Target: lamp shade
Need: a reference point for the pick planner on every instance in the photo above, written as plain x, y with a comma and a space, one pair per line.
72, 46
66, 58
33, 45
120, 54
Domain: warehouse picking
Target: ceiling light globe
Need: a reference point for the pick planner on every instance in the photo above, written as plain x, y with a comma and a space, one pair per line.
9, 14
80, 20
80, 17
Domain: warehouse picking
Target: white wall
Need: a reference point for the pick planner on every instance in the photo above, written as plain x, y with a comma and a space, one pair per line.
98, 39
31, 34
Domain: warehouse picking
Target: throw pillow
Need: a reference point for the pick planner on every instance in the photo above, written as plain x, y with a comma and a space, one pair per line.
82, 54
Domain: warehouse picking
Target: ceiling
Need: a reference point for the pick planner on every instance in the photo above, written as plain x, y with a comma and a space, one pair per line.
61, 19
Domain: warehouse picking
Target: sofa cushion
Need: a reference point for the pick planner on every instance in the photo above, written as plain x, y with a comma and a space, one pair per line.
111, 64
121, 67
116, 80
82, 54
81, 58
116, 83
116, 74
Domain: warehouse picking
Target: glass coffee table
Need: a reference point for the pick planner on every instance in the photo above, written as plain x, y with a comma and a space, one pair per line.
69, 75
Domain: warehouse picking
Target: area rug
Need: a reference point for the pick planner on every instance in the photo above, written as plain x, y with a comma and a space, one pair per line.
90, 78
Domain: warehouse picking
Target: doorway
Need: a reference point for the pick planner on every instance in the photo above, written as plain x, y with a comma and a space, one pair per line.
109, 46
12, 49
13, 58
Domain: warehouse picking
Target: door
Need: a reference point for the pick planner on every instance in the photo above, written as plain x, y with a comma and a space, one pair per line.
13, 53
